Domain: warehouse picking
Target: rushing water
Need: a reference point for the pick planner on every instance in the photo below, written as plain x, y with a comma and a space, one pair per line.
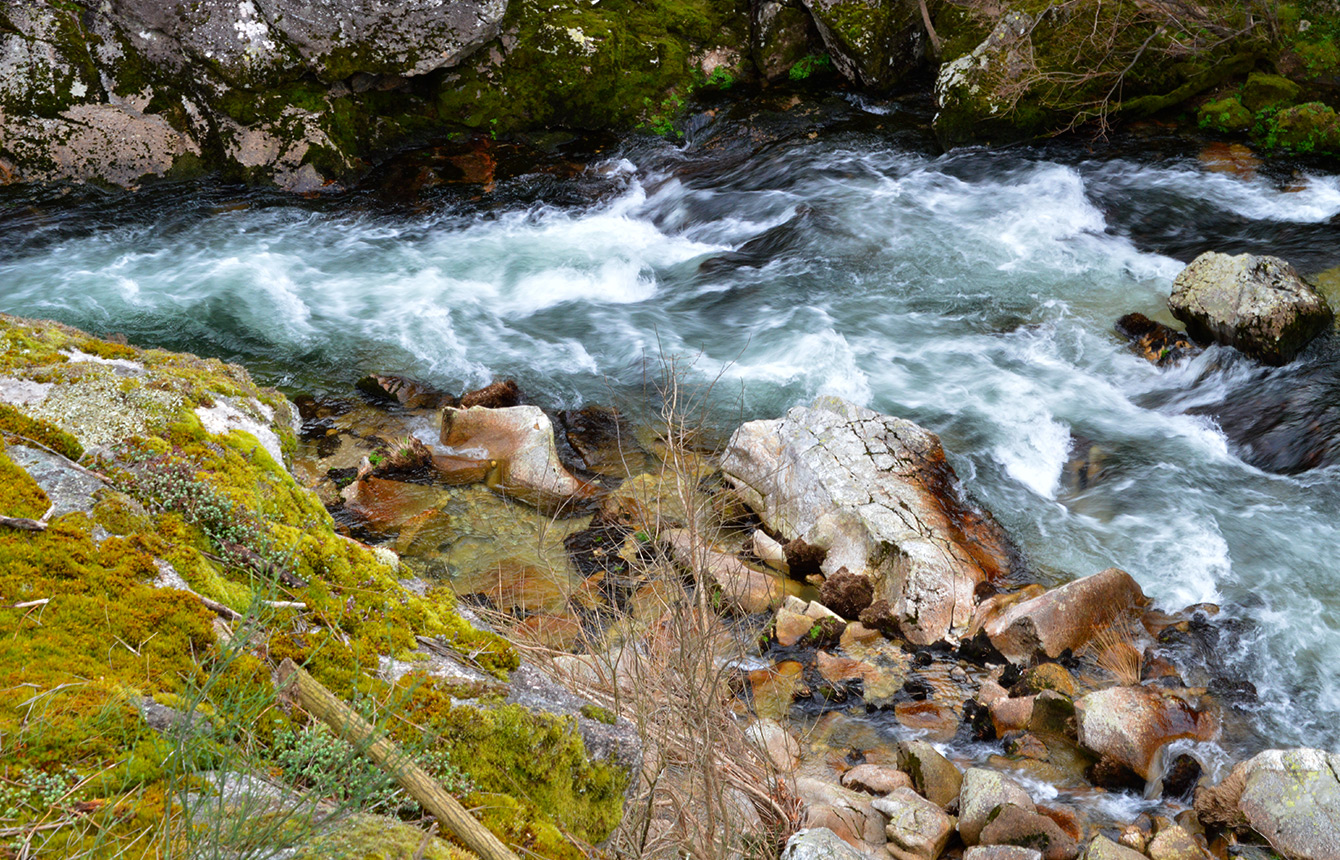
784, 255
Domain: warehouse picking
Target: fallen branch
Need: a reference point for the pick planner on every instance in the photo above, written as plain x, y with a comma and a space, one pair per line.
347, 724
29, 604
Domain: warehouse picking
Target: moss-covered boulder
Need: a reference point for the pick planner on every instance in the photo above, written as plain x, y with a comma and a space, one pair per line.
1225, 114
309, 96
1268, 91
1310, 127
165, 560
874, 43
780, 37
1047, 66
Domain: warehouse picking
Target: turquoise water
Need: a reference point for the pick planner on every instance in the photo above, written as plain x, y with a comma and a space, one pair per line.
974, 293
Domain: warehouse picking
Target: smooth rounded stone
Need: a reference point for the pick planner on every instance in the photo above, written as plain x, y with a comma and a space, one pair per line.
1001, 852
1049, 676
817, 611
875, 779
849, 814
521, 440
1174, 843
1011, 714
857, 633
1133, 725
385, 505
982, 792
601, 438
1053, 714
1015, 825
1102, 848
819, 843
1064, 618
877, 493
1291, 797
790, 627
917, 829
769, 551
847, 594
933, 776
776, 742
1259, 305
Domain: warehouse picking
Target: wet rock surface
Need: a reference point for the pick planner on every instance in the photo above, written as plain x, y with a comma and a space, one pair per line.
1260, 305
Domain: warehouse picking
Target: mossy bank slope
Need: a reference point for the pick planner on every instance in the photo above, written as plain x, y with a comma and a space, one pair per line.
157, 561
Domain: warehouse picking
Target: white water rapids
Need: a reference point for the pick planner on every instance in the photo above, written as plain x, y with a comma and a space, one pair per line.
974, 293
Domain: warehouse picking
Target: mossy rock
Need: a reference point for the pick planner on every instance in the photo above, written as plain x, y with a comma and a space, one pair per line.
1225, 114
375, 837
1268, 91
1310, 127
105, 629
874, 43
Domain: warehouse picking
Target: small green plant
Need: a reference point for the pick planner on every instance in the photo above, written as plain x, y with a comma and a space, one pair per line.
661, 117
809, 65
34, 792
376, 458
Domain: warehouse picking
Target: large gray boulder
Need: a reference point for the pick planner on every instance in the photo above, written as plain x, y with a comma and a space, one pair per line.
917, 828
874, 43
982, 792
1291, 797
1259, 305
819, 843
877, 494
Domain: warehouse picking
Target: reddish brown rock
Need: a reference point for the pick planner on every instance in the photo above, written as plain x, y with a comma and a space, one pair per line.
407, 392
1064, 618
1014, 825
1132, 725
875, 779
1156, 342
497, 395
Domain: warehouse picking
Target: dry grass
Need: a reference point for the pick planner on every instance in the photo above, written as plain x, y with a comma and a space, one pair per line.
1114, 650
668, 663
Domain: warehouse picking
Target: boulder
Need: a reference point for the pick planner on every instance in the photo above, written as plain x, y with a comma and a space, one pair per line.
790, 627
1259, 305
771, 738
1291, 797
875, 779
1064, 618
520, 441
918, 829
1015, 825
780, 37
1102, 848
849, 814
874, 43
496, 395
982, 792
819, 843
971, 91
1132, 725
933, 776
877, 493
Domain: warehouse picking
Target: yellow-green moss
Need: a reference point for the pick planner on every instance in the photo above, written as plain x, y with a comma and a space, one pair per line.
19, 494
15, 423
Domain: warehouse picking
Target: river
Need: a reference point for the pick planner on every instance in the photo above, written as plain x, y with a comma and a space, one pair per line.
828, 248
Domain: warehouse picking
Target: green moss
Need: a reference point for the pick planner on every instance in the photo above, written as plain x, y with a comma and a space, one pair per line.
1311, 127
599, 714
1225, 114
1268, 91
19, 494
15, 423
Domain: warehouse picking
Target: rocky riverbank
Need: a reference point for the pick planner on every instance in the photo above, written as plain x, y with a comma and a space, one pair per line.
311, 98
811, 626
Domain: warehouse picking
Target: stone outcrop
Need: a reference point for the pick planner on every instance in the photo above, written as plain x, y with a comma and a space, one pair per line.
1259, 305
1064, 618
873, 43
875, 492
1132, 725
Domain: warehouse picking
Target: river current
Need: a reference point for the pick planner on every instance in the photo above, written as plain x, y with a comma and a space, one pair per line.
783, 254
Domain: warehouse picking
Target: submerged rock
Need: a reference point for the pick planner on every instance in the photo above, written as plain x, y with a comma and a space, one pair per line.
1154, 341
877, 494
1259, 305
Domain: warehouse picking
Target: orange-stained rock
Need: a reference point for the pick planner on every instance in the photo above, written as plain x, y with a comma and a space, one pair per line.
560, 632
1064, 618
521, 440
1132, 725
936, 722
